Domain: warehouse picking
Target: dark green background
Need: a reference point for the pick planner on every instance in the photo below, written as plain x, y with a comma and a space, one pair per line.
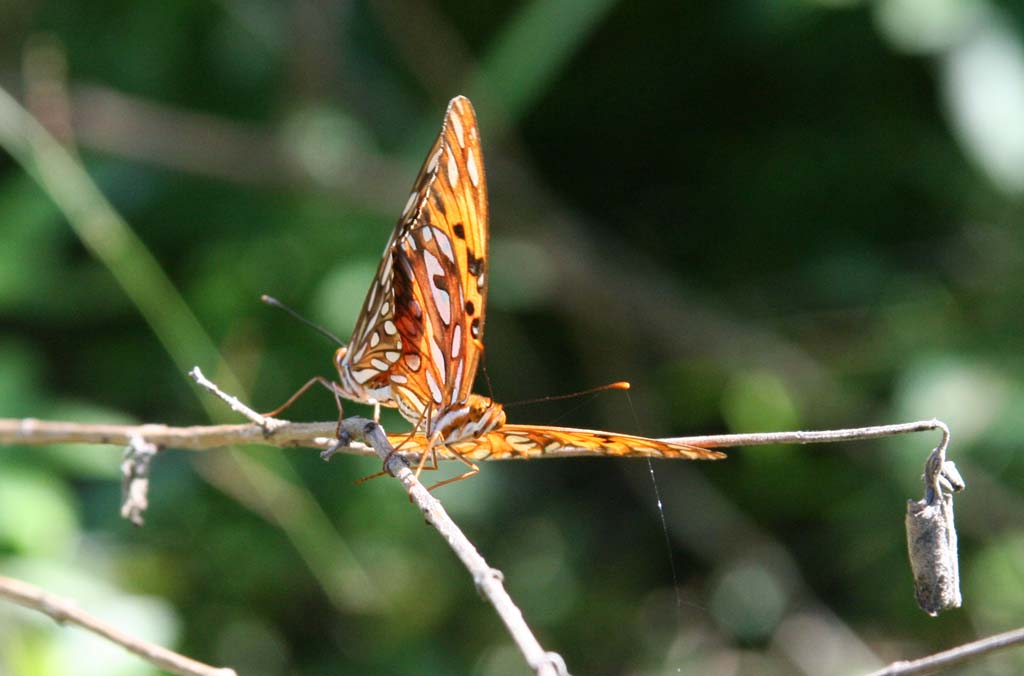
766, 216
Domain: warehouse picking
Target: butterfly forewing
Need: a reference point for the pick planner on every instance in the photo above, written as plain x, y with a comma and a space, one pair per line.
418, 339
440, 272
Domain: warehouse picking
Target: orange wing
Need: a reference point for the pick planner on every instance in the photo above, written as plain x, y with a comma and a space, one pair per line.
418, 338
523, 442
440, 272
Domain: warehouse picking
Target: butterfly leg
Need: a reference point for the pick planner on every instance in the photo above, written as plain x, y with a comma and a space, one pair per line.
473, 469
341, 412
387, 458
326, 382
431, 452
433, 440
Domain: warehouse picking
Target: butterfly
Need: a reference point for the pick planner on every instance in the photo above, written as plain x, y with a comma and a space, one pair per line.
418, 339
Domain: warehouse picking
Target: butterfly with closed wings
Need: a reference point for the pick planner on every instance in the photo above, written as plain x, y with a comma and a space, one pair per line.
418, 340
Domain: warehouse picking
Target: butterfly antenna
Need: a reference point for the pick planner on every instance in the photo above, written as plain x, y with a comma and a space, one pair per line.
269, 300
621, 385
487, 378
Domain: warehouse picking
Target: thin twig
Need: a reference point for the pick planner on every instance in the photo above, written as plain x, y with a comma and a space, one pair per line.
953, 656
814, 437
33, 432
488, 580
269, 425
320, 435
65, 612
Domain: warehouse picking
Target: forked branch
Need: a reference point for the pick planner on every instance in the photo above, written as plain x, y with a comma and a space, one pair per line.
488, 581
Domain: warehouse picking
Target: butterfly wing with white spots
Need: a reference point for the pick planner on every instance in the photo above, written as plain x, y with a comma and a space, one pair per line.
419, 338
523, 442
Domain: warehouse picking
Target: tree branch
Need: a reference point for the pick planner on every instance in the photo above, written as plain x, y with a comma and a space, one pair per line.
33, 432
65, 612
352, 431
953, 656
320, 435
815, 436
488, 580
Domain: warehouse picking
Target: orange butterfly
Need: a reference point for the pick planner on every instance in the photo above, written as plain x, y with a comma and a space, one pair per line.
419, 337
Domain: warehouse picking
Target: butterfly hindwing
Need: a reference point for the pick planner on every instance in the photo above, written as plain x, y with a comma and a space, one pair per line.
512, 442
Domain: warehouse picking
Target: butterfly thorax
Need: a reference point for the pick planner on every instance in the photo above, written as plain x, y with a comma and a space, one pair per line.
475, 417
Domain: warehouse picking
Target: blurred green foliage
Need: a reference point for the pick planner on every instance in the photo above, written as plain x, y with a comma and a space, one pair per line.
764, 215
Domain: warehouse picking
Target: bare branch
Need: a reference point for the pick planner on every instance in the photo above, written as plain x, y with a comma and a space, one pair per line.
320, 435
816, 436
32, 432
268, 424
488, 580
65, 612
953, 656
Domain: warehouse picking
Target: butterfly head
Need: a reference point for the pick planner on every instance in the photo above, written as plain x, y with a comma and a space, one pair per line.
476, 418
485, 414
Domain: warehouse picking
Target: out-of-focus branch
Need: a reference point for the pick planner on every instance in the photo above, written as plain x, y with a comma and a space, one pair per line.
110, 121
953, 656
65, 612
